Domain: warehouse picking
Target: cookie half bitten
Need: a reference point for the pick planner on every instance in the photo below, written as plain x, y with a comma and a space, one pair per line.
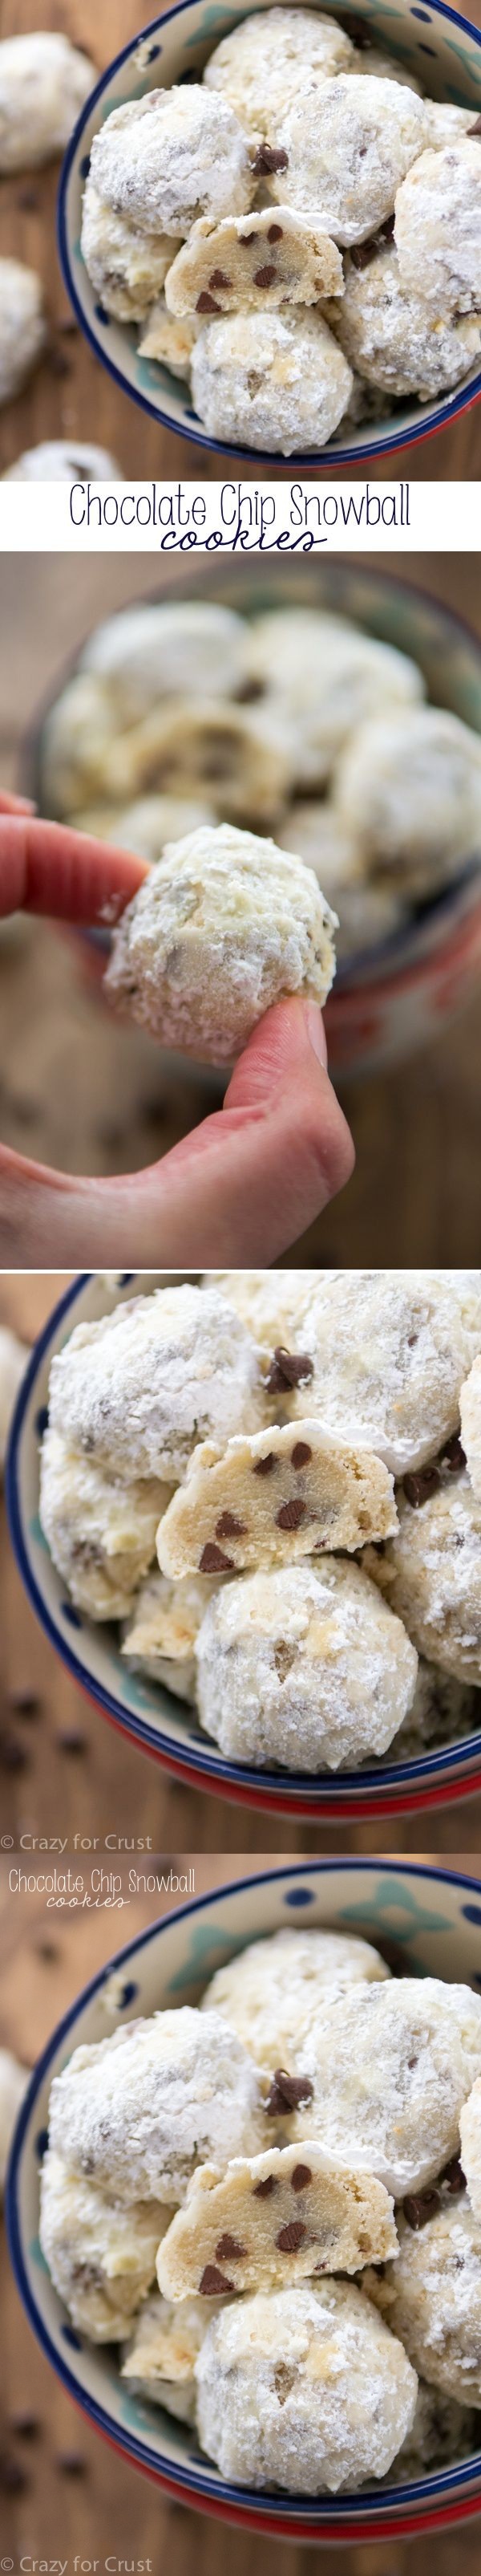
272, 1497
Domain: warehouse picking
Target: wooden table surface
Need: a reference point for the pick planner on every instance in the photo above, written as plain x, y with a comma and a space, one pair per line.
71, 395
64, 2495
87, 1094
64, 1771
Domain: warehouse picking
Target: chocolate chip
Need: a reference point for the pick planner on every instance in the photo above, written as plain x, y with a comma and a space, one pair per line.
291, 1514
228, 1527
268, 157
419, 2207
301, 2175
453, 2177
284, 1658
71, 2464
70, 1740
206, 303
361, 254
25, 2426
213, 2282
290, 2237
418, 1489
265, 276
288, 2091
264, 1466
213, 1560
218, 278
263, 2190
12, 2476
288, 1368
25, 1703
454, 1456
301, 1455
250, 689
275, 232
12, 1756
227, 2251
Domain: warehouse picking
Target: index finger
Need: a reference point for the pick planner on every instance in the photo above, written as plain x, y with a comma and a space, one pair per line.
48, 868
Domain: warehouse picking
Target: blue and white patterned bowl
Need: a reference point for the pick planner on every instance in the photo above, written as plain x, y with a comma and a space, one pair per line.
162, 1725
440, 47
434, 1915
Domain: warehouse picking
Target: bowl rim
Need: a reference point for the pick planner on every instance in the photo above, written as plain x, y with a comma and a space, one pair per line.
325, 460
195, 2483
209, 1770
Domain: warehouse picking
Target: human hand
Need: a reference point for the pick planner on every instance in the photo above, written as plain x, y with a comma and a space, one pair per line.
245, 1184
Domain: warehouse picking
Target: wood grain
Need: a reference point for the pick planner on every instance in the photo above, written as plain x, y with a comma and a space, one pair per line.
99, 1783
71, 395
86, 1094
75, 2498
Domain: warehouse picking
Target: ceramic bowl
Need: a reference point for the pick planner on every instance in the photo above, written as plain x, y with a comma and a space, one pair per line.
395, 996
434, 1916
162, 1725
441, 48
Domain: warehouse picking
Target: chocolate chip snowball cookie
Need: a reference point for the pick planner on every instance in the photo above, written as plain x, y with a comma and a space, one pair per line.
57, 460
268, 1990
236, 756
259, 63
44, 82
101, 1533
387, 1352
79, 731
393, 339
135, 1391
223, 927
442, 2431
271, 257
168, 338
300, 1670
13, 2084
324, 677
165, 1624
431, 2296
170, 156
13, 1362
146, 825
470, 2135
137, 2112
191, 648
273, 2219
470, 1405
126, 265
161, 2358
431, 1573
349, 142
437, 227
276, 380
273, 1496
389, 2067
304, 2389
410, 784
23, 329
101, 2255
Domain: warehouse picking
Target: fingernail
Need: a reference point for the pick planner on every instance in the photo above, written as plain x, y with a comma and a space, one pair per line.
316, 1032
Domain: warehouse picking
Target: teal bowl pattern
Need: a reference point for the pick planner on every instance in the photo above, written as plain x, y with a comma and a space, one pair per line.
441, 48
434, 1918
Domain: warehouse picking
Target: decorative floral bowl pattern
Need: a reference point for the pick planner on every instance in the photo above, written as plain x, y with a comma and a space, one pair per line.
440, 47
164, 1726
434, 1916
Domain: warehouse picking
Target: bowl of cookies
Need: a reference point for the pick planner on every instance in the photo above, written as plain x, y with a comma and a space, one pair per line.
247, 1511
330, 713
273, 240
258, 2277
